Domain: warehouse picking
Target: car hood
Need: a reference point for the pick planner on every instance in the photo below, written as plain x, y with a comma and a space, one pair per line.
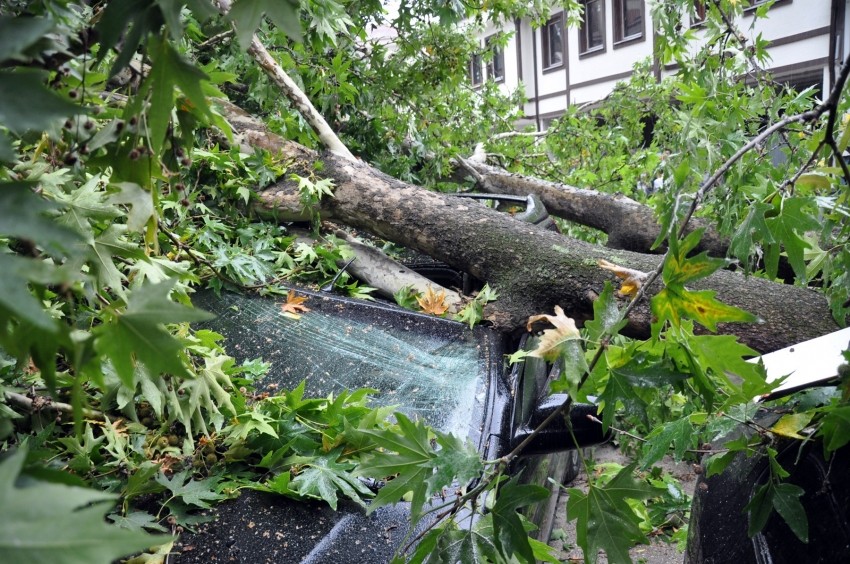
265, 528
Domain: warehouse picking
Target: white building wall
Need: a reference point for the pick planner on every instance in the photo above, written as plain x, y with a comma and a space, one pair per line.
799, 30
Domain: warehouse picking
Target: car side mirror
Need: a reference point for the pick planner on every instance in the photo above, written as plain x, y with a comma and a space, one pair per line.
556, 437
533, 403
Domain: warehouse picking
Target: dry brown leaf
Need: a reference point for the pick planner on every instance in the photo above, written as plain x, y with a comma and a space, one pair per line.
294, 304
552, 339
433, 303
632, 279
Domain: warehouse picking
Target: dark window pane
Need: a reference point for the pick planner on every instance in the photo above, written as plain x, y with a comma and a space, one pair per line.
632, 17
556, 44
475, 74
595, 22
498, 64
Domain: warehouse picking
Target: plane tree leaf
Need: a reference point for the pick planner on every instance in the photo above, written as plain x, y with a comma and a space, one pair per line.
323, 476
23, 215
48, 522
786, 502
18, 35
674, 304
27, 104
137, 335
190, 491
140, 202
604, 519
553, 341
418, 467
509, 534
247, 15
751, 231
606, 316
788, 228
681, 434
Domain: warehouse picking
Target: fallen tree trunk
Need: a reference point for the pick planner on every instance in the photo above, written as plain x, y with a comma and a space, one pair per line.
533, 270
630, 225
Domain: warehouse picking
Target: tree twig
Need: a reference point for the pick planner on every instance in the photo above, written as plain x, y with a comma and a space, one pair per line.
43, 403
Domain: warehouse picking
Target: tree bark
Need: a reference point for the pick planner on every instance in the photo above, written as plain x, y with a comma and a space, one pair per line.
532, 269
629, 224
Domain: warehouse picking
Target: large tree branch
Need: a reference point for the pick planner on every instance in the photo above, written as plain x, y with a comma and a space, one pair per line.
533, 269
629, 225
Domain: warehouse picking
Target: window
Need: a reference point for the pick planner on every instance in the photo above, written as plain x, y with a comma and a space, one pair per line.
476, 76
496, 64
699, 12
628, 20
592, 30
553, 42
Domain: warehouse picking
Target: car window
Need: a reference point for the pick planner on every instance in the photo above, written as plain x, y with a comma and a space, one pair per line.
429, 368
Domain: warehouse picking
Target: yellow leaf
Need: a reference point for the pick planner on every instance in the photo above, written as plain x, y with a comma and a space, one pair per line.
552, 339
790, 425
294, 304
433, 303
632, 279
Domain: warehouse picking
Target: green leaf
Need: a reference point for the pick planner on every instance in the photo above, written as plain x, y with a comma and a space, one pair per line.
680, 433
752, 229
140, 202
508, 531
606, 316
786, 501
724, 356
142, 481
675, 304
456, 460
18, 34
169, 69
137, 334
16, 301
788, 229
604, 519
48, 522
407, 453
835, 428
760, 507
26, 104
189, 491
23, 216
323, 476
247, 15
7, 152
137, 521
84, 205
619, 390
679, 269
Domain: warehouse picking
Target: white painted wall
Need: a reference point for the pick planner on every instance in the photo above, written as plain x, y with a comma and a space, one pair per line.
587, 75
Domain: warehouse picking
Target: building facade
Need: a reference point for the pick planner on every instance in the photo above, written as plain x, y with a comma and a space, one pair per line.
560, 65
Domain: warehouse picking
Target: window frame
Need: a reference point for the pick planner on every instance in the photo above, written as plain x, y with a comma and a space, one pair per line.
583, 50
475, 63
620, 37
752, 5
556, 20
496, 51
700, 12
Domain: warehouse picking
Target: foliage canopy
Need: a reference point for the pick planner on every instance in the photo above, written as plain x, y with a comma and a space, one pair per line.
121, 192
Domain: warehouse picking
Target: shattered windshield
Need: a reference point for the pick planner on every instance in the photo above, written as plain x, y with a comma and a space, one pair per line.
429, 368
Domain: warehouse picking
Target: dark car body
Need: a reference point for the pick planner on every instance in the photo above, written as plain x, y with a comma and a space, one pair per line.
719, 525
455, 378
